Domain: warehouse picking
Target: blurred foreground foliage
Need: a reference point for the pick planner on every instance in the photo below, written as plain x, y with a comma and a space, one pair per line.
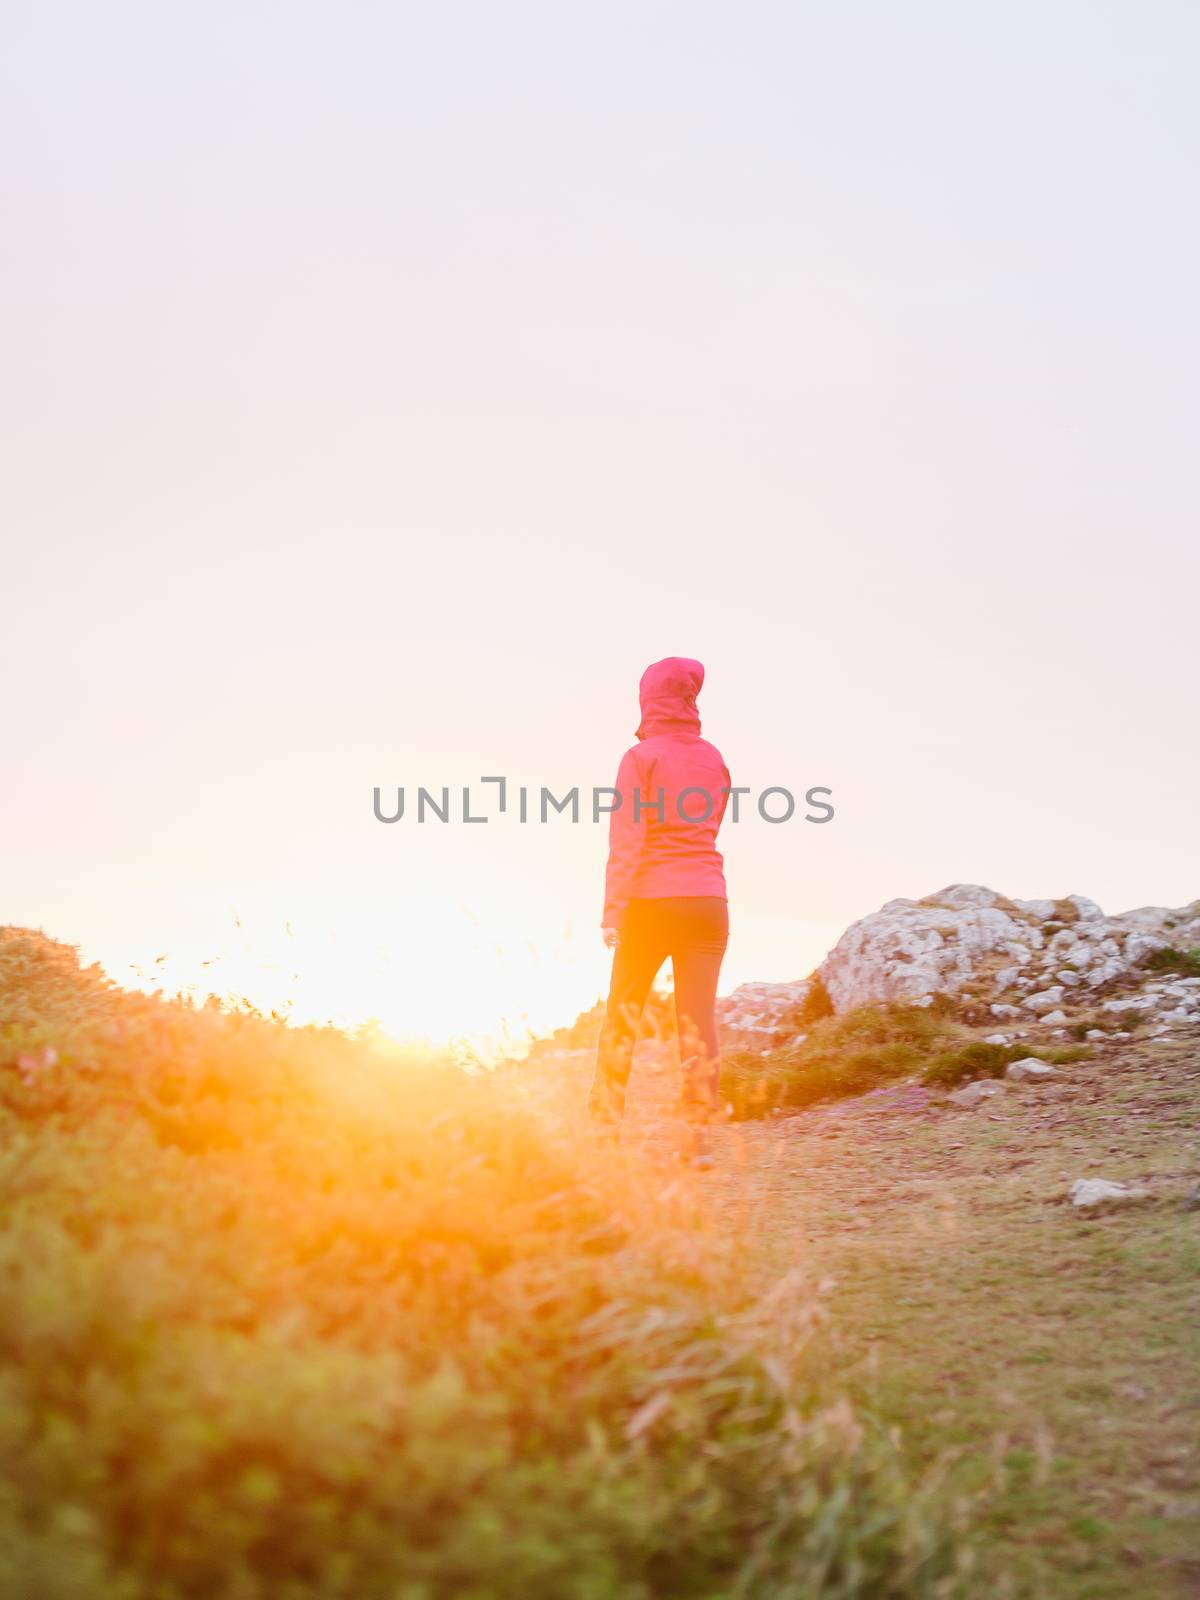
286, 1314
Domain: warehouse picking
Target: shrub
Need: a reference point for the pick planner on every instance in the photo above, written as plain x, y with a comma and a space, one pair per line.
1062, 1055
1106, 1022
975, 1013
816, 1003
1180, 963
840, 1055
815, 1006
1103, 1021
976, 1059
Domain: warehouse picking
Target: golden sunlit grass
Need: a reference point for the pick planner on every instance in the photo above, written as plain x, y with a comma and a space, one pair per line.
288, 1314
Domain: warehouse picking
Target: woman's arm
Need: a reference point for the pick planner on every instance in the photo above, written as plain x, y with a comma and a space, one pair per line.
625, 840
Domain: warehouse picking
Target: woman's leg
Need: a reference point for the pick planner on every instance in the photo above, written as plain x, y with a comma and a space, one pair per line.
641, 949
702, 933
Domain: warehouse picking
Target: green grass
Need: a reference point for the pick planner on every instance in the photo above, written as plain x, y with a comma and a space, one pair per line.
1057, 1359
978, 1059
286, 1315
865, 1049
1106, 1022
975, 1059
1179, 963
839, 1055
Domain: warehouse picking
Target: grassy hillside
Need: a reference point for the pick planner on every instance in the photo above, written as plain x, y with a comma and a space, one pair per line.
285, 1315
1056, 1355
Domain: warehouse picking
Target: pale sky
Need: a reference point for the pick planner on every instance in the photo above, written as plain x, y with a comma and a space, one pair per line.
384, 386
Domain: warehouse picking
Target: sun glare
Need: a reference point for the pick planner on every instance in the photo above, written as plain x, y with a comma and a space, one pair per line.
442, 975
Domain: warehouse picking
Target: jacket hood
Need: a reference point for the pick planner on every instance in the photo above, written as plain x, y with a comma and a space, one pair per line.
668, 693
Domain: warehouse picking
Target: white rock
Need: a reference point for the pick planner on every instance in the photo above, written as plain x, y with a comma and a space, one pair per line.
1139, 945
1043, 910
1105, 971
1043, 1000
1068, 976
1179, 922
1148, 918
1088, 909
963, 896
1055, 1017
972, 1094
1088, 1192
996, 1038
1030, 1070
1001, 1010
908, 950
913, 949
759, 1006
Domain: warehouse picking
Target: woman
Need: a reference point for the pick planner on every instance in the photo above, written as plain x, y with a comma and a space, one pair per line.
665, 889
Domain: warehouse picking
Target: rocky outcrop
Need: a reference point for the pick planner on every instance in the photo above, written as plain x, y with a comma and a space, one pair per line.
1028, 961
751, 1015
1025, 953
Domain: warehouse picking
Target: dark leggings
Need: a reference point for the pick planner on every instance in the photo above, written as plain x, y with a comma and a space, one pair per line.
693, 930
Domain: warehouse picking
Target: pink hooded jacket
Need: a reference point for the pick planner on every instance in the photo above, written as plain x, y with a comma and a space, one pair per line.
661, 851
